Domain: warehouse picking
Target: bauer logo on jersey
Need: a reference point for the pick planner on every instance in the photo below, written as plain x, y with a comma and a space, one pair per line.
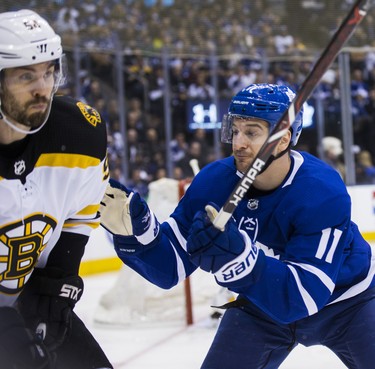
21, 244
91, 115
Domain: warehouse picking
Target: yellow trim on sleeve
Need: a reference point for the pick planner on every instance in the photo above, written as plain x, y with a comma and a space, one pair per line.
67, 160
89, 210
93, 225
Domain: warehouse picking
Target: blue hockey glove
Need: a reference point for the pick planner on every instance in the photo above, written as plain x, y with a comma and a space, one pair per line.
125, 213
229, 255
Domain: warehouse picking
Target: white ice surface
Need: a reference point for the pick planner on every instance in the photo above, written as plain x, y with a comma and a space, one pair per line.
171, 346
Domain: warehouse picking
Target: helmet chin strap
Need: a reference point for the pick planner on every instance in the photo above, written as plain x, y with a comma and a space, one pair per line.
25, 131
272, 158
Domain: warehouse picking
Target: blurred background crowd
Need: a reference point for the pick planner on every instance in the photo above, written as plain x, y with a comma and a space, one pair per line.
198, 52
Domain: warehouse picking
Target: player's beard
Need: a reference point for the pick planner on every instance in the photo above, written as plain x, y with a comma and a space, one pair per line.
18, 112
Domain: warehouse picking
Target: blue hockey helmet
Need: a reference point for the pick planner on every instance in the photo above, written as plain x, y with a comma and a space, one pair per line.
262, 101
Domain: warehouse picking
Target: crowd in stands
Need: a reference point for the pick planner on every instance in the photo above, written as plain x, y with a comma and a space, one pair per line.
240, 26
241, 33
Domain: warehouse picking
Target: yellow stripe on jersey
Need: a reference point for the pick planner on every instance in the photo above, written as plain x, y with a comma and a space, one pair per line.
71, 224
89, 210
67, 160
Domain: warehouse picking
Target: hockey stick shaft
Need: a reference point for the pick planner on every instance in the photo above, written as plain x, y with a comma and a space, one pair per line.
343, 33
194, 166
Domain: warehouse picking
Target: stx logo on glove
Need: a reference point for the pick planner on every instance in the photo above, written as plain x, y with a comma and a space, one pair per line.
240, 267
70, 292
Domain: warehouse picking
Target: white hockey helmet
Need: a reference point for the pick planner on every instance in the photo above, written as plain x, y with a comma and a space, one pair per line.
26, 39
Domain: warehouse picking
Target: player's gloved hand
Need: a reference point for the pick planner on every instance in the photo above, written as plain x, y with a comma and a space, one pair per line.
46, 303
229, 255
19, 349
123, 212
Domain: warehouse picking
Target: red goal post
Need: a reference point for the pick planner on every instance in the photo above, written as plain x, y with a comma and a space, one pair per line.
182, 187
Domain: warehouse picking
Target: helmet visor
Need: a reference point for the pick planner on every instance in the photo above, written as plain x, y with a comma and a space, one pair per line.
227, 126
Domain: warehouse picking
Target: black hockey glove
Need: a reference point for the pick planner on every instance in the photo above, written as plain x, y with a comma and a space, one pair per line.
46, 304
19, 349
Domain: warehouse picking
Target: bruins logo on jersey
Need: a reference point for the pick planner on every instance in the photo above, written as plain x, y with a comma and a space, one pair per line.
91, 115
21, 243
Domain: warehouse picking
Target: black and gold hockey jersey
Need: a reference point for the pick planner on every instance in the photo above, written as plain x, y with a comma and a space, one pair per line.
51, 184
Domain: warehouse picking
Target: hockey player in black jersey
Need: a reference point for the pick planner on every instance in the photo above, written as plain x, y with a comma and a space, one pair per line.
53, 174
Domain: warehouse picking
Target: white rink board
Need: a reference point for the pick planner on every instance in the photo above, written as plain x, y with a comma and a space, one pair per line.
363, 207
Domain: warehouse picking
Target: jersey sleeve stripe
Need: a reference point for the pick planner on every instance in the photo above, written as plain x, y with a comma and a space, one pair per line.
89, 210
180, 265
67, 160
318, 273
307, 299
363, 285
71, 224
182, 241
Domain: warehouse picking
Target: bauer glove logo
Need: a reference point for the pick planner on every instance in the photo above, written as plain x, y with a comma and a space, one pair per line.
146, 219
239, 267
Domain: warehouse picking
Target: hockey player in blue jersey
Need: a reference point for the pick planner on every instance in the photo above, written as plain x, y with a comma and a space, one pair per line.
302, 270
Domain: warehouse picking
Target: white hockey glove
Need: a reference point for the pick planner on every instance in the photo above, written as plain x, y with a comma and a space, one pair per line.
230, 254
125, 213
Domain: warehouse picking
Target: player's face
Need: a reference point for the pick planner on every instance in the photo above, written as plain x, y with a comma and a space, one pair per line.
248, 137
26, 93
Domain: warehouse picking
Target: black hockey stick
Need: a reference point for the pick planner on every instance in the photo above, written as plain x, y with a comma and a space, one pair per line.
343, 33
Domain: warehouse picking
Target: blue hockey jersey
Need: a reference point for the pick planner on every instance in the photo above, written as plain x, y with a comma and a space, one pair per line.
310, 252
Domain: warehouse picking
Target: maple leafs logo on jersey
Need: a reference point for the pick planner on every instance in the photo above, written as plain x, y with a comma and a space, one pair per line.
91, 115
21, 244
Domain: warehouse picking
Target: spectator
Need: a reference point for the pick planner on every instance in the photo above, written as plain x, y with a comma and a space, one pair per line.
241, 78
178, 147
156, 88
332, 151
284, 41
200, 89
138, 181
67, 19
194, 152
365, 169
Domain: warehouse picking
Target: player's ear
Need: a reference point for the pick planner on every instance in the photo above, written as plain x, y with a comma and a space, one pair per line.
285, 141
